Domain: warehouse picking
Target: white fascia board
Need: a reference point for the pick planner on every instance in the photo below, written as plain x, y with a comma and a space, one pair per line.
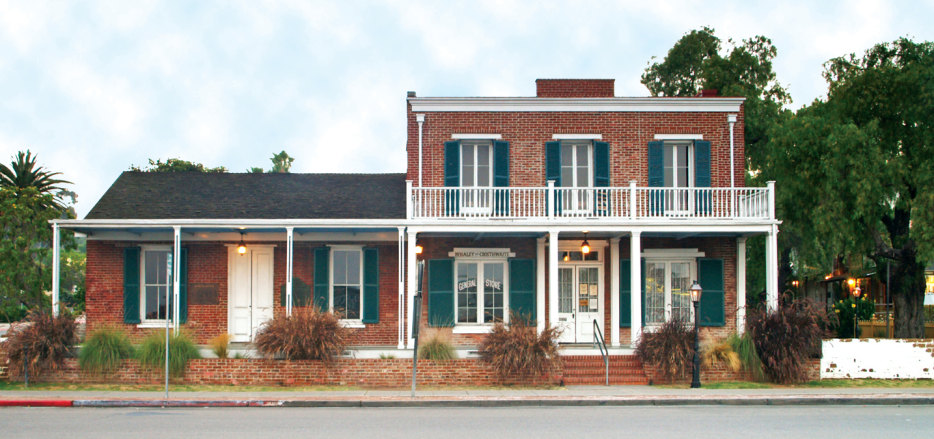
228, 223
476, 136
679, 137
639, 104
577, 136
591, 227
117, 235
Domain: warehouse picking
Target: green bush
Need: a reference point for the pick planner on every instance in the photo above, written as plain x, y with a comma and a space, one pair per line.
518, 350
151, 353
670, 348
845, 309
104, 349
308, 334
42, 343
745, 349
436, 345
787, 338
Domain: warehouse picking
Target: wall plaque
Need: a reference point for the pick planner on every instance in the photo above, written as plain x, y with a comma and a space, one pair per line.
202, 294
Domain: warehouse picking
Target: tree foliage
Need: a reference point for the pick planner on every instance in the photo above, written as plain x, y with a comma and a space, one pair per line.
858, 167
177, 165
281, 163
23, 173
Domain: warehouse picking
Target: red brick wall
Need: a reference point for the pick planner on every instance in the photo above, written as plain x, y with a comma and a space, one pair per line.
627, 133
207, 263
574, 88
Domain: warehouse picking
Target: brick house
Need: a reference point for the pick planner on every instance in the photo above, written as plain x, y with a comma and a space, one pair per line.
499, 198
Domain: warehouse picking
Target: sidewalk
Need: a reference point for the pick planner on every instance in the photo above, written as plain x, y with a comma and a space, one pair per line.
568, 396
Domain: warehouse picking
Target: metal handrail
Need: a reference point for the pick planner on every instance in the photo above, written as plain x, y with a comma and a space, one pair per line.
600, 342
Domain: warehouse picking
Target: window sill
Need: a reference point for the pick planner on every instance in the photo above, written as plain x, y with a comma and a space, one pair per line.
153, 325
352, 324
472, 329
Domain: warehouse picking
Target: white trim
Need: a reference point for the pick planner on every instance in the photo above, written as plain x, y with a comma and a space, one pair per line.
475, 328
668, 253
348, 323
169, 285
577, 136
475, 136
679, 137
480, 262
615, 104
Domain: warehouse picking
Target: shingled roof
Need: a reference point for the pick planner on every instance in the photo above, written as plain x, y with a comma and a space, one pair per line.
196, 195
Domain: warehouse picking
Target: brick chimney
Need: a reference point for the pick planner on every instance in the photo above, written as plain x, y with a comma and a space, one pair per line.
574, 88
708, 93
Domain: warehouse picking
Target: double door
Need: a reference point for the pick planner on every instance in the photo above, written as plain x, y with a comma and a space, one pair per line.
250, 291
580, 302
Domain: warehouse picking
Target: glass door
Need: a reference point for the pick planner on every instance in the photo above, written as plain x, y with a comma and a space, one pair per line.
579, 302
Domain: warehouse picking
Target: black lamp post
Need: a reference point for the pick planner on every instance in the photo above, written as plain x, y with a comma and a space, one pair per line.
696, 291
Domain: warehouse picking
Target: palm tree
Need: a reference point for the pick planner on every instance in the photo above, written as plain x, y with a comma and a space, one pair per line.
23, 173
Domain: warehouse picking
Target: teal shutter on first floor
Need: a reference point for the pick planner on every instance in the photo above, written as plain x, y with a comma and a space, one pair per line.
522, 288
625, 293
301, 293
441, 292
322, 276
131, 285
183, 286
710, 277
371, 285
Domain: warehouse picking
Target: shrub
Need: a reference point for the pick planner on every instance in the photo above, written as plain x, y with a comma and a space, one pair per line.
845, 309
151, 353
745, 349
670, 349
42, 343
436, 346
720, 351
219, 345
929, 313
518, 350
104, 349
308, 334
787, 338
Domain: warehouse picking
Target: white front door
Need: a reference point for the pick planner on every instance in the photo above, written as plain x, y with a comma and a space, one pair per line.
250, 291
580, 302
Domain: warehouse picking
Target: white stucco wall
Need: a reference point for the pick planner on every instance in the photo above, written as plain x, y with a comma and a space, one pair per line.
877, 358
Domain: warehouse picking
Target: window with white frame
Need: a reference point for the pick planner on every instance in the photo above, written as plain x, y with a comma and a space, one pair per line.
476, 163
577, 163
668, 289
156, 293
347, 282
679, 168
480, 291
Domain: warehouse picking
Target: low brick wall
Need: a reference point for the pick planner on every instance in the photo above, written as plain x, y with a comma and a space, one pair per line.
344, 372
878, 358
720, 372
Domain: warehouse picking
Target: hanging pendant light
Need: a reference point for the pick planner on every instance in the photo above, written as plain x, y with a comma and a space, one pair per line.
585, 246
241, 247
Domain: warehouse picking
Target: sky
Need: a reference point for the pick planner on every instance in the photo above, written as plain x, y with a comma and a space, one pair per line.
94, 87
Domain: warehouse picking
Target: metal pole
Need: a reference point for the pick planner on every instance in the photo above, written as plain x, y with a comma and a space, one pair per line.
695, 380
168, 273
888, 304
418, 306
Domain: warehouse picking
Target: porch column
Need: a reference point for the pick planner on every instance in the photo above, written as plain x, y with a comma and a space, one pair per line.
540, 284
614, 292
740, 285
56, 266
400, 309
288, 271
771, 269
412, 273
635, 286
553, 278
176, 281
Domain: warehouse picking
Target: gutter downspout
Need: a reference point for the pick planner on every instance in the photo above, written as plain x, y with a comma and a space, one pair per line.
731, 118
420, 118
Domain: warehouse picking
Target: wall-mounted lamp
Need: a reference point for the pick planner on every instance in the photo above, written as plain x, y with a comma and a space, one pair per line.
418, 249
585, 246
241, 247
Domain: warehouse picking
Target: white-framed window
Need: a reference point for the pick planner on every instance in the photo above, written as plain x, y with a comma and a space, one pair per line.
481, 294
679, 163
577, 163
156, 287
669, 274
347, 282
476, 163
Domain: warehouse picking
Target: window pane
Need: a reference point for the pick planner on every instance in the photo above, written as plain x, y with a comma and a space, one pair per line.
567, 176
467, 293
340, 300
654, 293
467, 165
353, 267
567, 152
353, 302
483, 155
483, 175
680, 291
340, 267
152, 303
565, 290
492, 292
152, 268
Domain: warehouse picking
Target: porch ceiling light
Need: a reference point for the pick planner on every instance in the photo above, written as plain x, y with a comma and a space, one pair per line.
585, 246
696, 291
241, 247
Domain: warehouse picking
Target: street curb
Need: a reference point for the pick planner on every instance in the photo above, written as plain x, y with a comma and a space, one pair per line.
480, 402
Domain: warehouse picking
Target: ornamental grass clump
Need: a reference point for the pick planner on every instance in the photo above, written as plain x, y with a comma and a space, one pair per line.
219, 345
41, 343
151, 353
308, 334
787, 338
670, 349
517, 350
436, 345
745, 349
721, 351
104, 349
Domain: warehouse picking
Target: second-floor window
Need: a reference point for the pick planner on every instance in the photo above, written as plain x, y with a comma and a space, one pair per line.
577, 163
476, 163
679, 164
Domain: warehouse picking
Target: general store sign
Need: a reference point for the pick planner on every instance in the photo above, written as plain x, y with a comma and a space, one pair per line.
501, 253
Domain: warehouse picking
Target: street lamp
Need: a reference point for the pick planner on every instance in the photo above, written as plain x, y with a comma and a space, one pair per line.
696, 291
856, 293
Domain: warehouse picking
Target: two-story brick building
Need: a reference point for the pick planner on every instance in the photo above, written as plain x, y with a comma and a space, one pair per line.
576, 208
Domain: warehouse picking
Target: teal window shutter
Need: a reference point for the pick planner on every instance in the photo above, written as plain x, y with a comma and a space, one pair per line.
501, 176
601, 164
702, 175
322, 278
183, 286
301, 293
625, 293
553, 168
643, 292
131, 285
710, 277
522, 288
452, 177
371, 285
656, 168
441, 292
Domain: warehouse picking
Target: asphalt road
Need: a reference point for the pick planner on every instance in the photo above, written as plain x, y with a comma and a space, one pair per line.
551, 422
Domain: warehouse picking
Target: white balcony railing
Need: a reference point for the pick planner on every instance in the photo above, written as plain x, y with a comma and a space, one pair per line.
629, 202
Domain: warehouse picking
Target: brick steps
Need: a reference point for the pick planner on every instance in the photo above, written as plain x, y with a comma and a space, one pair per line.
623, 370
